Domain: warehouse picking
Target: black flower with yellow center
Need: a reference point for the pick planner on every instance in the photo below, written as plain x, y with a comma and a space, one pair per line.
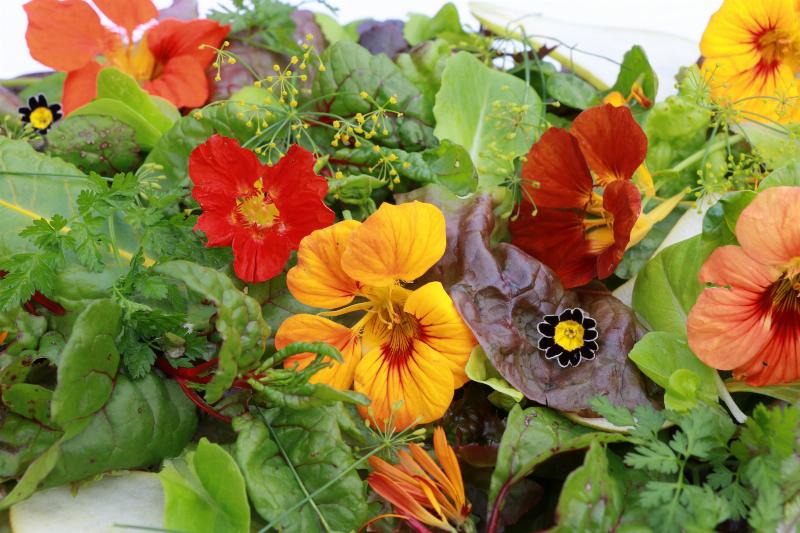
40, 115
569, 337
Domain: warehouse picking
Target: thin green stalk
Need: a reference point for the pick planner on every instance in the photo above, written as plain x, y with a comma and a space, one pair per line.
698, 155
19, 82
294, 472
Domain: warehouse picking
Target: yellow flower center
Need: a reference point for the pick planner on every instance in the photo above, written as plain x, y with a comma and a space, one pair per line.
136, 60
41, 118
569, 335
258, 211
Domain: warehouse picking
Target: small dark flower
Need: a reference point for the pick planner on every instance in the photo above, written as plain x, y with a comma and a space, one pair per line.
569, 337
39, 114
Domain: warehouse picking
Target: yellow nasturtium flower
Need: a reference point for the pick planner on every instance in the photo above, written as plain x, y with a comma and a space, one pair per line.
409, 347
752, 58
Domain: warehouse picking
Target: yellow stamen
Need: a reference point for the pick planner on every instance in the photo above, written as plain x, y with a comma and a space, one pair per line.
569, 335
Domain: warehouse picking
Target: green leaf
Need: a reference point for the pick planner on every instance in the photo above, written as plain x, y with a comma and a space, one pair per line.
96, 143
146, 134
591, 499
244, 331
532, 436
570, 90
204, 492
277, 302
667, 287
778, 146
636, 68
115, 84
32, 186
22, 440
423, 66
355, 189
789, 392
788, 175
719, 223
29, 400
350, 70
683, 391
445, 22
88, 363
480, 369
143, 422
493, 115
659, 354
333, 31
173, 148
51, 86
293, 457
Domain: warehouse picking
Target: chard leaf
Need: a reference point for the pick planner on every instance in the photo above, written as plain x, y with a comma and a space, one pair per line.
32, 186
592, 498
295, 455
96, 143
244, 331
143, 422
88, 364
493, 115
532, 436
351, 69
204, 492
22, 440
502, 293
147, 135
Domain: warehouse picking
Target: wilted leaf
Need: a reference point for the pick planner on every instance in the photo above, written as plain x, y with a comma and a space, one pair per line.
204, 492
244, 331
299, 453
503, 293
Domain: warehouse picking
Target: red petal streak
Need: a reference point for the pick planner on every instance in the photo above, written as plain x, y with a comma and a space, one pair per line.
612, 142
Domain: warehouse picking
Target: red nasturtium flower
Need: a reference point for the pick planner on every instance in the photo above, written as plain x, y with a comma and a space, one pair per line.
748, 321
261, 211
577, 231
67, 35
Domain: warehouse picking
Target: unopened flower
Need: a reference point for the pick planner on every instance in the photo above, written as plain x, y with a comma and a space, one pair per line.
422, 490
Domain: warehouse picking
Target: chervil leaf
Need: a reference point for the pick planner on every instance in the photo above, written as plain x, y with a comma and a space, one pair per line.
655, 456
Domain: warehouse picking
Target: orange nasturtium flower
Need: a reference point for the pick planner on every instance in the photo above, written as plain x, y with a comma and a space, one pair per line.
748, 321
67, 35
752, 58
420, 489
408, 351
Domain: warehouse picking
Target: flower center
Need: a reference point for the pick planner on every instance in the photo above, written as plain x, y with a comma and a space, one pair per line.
785, 294
773, 46
569, 335
41, 118
137, 61
259, 211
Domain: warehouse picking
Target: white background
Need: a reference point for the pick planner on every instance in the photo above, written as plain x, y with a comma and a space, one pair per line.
669, 30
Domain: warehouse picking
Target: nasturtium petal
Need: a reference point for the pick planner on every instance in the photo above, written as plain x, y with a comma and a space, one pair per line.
128, 14
769, 228
318, 279
441, 327
306, 327
397, 242
413, 390
66, 34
